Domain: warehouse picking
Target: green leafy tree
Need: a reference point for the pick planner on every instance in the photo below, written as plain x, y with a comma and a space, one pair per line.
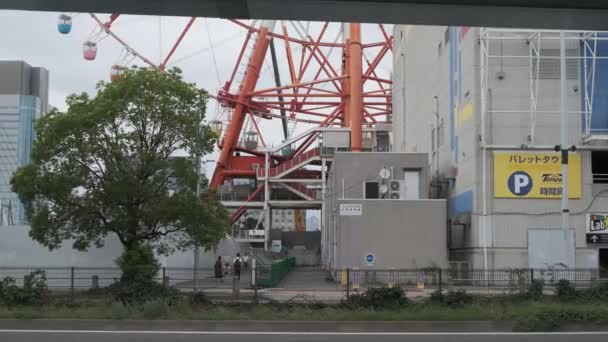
106, 167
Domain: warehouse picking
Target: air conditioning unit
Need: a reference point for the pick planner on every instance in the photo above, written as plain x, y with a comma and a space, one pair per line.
395, 185
395, 195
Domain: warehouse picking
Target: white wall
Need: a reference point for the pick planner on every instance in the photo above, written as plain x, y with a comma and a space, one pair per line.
18, 249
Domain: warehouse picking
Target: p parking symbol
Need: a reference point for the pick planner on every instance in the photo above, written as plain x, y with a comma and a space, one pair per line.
520, 183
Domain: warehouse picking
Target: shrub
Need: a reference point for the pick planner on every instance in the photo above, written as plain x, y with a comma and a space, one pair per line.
436, 296
198, 299
378, 298
33, 292
565, 290
535, 290
137, 284
138, 265
385, 297
143, 292
458, 298
598, 292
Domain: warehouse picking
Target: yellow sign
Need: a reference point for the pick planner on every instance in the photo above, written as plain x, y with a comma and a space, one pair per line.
535, 175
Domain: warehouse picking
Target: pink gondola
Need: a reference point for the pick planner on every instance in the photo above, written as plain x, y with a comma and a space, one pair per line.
89, 50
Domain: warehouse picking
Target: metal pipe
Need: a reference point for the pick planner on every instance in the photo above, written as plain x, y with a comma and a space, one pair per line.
266, 199
323, 200
564, 144
436, 159
525, 147
484, 107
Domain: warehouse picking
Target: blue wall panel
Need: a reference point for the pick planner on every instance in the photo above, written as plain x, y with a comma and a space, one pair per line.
599, 119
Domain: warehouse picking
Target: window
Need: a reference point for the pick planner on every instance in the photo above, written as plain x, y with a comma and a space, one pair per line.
599, 167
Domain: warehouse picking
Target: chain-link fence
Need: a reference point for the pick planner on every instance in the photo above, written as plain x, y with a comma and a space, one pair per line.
283, 282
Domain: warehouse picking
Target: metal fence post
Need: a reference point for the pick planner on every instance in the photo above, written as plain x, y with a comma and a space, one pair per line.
440, 285
72, 271
165, 277
95, 282
253, 280
347, 283
531, 275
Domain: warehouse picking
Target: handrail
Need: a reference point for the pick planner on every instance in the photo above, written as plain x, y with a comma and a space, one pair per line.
288, 164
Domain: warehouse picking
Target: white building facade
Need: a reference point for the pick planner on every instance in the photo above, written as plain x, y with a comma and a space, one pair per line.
485, 105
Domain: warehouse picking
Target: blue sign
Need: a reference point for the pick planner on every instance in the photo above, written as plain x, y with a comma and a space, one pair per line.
520, 183
370, 258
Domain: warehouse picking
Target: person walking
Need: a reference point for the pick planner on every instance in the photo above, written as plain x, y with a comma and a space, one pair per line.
245, 262
237, 266
218, 268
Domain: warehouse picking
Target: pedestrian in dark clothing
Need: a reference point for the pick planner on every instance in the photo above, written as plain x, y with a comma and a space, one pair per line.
237, 266
218, 267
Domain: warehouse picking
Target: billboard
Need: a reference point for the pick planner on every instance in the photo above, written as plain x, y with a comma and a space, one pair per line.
597, 223
597, 229
535, 175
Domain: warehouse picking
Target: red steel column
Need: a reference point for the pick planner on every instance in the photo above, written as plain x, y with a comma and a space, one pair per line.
356, 88
346, 84
240, 111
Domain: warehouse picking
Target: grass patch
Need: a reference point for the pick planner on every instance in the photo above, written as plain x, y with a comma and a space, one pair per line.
544, 314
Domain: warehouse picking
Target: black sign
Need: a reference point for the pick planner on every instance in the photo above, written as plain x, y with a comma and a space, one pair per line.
597, 239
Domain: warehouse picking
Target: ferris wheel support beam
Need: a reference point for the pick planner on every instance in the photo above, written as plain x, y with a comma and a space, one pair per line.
277, 83
240, 111
176, 45
356, 87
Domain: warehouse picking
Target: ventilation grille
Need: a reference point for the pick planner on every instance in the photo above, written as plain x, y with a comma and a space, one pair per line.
549, 66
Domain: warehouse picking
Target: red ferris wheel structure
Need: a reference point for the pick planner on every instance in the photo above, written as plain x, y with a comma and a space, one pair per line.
333, 78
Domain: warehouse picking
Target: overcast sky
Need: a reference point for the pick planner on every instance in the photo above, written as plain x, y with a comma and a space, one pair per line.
207, 55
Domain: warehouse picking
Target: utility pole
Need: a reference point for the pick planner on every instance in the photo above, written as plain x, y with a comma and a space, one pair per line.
437, 138
564, 145
197, 250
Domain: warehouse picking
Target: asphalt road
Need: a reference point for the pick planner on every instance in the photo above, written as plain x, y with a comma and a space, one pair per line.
192, 336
